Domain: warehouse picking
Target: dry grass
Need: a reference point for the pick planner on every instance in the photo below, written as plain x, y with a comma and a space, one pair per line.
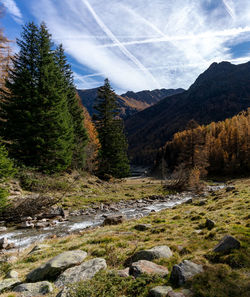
176, 228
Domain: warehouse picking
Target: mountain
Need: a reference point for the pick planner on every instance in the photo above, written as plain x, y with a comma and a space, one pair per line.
222, 91
130, 102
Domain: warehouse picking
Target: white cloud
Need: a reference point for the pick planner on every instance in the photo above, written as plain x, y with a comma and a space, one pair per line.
13, 10
146, 44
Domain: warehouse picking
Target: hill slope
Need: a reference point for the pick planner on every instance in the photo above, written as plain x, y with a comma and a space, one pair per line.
130, 102
220, 92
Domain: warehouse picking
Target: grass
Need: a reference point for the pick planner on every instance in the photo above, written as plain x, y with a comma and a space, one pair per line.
176, 228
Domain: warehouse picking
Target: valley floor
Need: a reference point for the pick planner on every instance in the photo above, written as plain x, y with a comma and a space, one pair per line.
181, 228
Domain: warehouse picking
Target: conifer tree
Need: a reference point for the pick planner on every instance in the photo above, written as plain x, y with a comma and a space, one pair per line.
113, 158
75, 109
36, 120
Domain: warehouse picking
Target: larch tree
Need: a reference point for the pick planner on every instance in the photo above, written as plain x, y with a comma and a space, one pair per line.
36, 120
113, 159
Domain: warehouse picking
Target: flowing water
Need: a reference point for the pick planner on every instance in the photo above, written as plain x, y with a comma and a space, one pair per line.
22, 238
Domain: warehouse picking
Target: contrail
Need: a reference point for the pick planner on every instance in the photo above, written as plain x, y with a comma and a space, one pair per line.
224, 33
229, 8
119, 44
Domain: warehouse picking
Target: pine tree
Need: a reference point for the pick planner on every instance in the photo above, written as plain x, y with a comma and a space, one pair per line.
75, 109
113, 158
36, 120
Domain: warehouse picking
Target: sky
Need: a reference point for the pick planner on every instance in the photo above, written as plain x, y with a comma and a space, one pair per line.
138, 44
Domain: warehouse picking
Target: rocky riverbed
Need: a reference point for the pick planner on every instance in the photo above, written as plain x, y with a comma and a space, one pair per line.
33, 230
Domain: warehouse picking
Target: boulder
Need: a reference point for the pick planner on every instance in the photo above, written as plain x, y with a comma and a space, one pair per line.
142, 227
184, 271
57, 265
8, 284
12, 274
113, 220
162, 251
227, 244
85, 271
160, 291
34, 289
209, 224
144, 266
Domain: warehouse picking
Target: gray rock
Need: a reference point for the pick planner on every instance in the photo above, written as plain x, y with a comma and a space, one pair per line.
142, 227
4, 243
228, 189
184, 271
34, 289
162, 251
26, 224
64, 293
209, 224
8, 284
144, 266
12, 274
123, 272
113, 220
227, 244
160, 291
175, 294
39, 248
57, 265
3, 229
85, 271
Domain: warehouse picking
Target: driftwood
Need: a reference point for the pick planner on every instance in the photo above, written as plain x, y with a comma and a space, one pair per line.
27, 207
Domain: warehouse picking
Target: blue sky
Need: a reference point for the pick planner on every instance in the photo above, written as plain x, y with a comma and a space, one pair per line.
139, 44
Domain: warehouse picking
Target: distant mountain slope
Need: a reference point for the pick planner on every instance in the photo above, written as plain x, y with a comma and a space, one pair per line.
130, 102
220, 92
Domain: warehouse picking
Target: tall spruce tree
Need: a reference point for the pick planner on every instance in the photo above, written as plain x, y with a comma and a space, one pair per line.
35, 116
75, 109
113, 158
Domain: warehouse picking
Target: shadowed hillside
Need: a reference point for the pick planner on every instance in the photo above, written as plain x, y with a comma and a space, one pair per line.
220, 92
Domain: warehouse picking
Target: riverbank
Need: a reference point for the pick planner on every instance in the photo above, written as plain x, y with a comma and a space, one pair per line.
182, 228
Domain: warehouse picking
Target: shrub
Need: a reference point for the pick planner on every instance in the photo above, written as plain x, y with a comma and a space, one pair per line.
110, 285
6, 165
220, 281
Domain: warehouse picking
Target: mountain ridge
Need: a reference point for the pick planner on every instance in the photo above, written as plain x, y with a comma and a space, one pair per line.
218, 93
130, 102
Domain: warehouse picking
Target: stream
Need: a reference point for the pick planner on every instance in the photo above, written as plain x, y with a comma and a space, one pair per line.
22, 238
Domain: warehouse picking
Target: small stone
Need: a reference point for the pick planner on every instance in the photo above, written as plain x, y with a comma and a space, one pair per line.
39, 248
209, 224
4, 243
228, 189
175, 294
227, 244
26, 224
144, 266
184, 271
113, 220
189, 201
12, 274
160, 291
123, 272
142, 227
34, 289
8, 284
3, 229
